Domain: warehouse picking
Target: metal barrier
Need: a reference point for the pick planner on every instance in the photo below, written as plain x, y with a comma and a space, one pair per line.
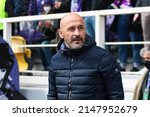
99, 19
99, 27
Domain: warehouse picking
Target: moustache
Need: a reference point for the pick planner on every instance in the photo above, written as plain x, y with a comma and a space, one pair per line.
76, 38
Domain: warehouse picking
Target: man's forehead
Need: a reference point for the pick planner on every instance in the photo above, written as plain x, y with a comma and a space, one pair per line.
73, 22
73, 26
71, 19
71, 16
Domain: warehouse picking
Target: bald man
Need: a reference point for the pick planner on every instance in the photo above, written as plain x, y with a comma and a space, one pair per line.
143, 83
80, 70
72, 30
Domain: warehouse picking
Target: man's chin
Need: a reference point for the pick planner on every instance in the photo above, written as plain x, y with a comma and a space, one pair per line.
76, 46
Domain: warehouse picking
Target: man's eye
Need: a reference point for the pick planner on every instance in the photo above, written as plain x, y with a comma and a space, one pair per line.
81, 27
71, 28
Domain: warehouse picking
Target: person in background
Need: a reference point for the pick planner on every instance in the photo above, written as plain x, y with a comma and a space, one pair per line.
14, 8
18, 11
91, 6
35, 7
62, 6
76, 72
145, 17
142, 88
10, 8
25, 7
3, 14
48, 29
124, 32
136, 35
84, 5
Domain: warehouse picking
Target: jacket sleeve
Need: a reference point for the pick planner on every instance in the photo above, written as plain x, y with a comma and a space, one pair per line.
52, 94
137, 92
111, 75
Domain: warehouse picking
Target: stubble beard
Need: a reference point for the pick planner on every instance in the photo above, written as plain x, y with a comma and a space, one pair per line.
74, 46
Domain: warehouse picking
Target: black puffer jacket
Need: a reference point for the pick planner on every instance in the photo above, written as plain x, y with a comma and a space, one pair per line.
89, 73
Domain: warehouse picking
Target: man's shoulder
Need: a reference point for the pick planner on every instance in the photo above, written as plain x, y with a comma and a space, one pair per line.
101, 50
103, 54
56, 56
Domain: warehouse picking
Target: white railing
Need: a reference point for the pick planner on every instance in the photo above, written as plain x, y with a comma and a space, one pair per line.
99, 27
99, 19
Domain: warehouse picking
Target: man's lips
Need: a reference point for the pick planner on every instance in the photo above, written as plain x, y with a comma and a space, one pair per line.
77, 41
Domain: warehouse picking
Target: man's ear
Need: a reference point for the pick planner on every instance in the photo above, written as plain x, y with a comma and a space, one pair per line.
60, 33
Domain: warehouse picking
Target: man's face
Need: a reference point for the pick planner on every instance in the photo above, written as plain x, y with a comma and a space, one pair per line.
72, 30
146, 56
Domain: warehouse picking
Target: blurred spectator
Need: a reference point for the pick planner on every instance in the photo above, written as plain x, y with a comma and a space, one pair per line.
9, 8
145, 17
49, 31
18, 7
142, 88
30, 7
14, 8
25, 7
6, 9
21, 7
123, 26
90, 6
43, 32
83, 5
62, 6
110, 36
3, 14
35, 7
136, 35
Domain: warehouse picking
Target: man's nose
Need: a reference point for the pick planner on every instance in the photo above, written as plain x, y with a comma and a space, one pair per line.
76, 32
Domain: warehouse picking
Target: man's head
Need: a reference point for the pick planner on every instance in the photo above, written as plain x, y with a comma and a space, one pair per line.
72, 30
47, 5
145, 53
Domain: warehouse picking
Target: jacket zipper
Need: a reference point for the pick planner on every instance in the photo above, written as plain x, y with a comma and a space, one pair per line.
69, 81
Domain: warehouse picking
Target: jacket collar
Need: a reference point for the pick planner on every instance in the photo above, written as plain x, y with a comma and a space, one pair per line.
89, 42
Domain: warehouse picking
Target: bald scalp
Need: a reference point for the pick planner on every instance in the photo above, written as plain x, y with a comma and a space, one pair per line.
69, 17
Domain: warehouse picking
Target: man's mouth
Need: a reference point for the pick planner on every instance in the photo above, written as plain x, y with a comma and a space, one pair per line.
77, 40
